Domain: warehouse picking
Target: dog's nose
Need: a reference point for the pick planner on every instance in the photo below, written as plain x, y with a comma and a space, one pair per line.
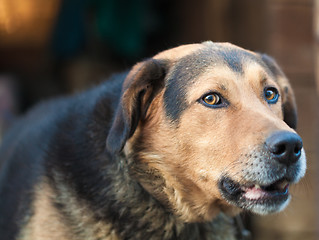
284, 146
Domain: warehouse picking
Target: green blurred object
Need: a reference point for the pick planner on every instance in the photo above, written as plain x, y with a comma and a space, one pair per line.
123, 24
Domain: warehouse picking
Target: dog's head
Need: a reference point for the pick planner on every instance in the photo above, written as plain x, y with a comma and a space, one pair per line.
215, 123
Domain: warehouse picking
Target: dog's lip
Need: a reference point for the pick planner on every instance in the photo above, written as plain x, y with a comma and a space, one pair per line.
254, 192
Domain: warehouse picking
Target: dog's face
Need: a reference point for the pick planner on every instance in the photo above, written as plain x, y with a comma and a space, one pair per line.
214, 123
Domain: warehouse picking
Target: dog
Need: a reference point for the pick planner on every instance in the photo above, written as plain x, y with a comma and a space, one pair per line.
172, 149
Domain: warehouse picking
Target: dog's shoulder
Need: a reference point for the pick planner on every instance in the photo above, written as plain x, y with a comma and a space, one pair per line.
32, 140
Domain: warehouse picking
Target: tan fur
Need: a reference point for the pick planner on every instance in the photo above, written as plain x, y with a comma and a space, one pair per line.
47, 223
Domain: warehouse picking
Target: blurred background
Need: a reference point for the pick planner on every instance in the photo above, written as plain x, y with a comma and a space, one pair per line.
54, 47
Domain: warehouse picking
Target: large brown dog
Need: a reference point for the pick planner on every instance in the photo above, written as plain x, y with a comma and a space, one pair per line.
167, 151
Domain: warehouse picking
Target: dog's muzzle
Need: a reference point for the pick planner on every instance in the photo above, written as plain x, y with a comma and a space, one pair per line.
264, 186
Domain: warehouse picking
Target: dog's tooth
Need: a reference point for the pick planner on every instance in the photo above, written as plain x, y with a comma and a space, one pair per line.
257, 186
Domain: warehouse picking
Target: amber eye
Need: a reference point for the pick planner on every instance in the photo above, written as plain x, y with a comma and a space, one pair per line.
271, 95
212, 99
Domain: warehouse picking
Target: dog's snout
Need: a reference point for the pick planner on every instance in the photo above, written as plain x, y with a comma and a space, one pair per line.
284, 146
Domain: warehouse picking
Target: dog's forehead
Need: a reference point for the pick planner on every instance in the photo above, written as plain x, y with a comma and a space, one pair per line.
212, 55
195, 63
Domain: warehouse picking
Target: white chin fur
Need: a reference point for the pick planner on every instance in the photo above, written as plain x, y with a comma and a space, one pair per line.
262, 209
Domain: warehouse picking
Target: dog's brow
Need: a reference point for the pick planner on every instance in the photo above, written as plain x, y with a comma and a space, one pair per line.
233, 59
263, 80
222, 87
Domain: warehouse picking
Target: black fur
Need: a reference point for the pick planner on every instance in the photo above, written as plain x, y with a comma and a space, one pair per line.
22, 157
56, 128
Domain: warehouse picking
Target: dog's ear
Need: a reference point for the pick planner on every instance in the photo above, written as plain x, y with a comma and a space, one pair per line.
288, 96
141, 85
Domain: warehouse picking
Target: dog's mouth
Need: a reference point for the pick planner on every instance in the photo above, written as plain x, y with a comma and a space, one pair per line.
256, 197
260, 192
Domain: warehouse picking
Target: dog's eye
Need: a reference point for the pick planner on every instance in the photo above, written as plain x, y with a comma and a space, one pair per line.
212, 99
271, 95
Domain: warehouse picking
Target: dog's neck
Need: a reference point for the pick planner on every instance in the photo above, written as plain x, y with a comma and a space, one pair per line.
130, 212
139, 210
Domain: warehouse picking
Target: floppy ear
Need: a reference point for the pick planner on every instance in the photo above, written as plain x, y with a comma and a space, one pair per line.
288, 96
141, 85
